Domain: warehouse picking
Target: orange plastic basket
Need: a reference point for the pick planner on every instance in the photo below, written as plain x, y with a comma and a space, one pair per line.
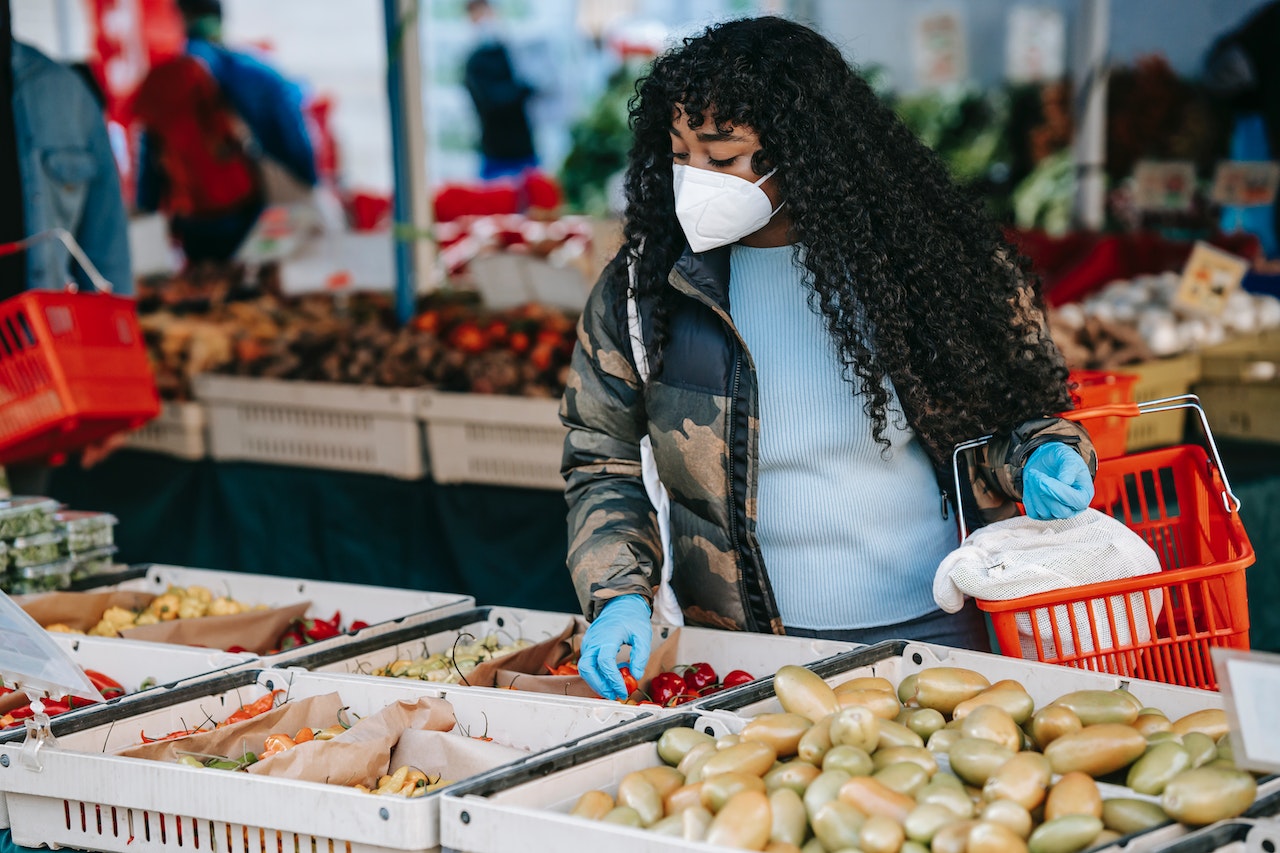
1100, 388
1159, 626
73, 369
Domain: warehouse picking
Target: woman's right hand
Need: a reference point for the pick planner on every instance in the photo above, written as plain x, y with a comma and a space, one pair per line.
624, 621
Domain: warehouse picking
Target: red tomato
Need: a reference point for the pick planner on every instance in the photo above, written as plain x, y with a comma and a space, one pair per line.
737, 677
700, 675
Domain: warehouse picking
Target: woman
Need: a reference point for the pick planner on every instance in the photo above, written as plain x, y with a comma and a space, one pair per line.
819, 316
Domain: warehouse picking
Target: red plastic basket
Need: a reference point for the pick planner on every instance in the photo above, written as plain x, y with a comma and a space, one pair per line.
73, 370
1180, 503
1101, 388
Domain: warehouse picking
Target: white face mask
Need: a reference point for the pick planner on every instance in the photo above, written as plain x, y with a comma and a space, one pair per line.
716, 209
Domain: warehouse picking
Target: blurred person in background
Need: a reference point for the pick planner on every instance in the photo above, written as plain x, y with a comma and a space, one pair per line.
56, 171
1243, 68
500, 96
218, 125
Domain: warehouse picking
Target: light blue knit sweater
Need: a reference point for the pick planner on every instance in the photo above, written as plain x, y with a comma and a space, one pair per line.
851, 536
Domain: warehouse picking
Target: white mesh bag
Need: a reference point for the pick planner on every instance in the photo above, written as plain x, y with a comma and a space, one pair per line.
1022, 556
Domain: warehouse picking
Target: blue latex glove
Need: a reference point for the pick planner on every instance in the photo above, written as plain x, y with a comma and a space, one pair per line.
624, 621
1056, 483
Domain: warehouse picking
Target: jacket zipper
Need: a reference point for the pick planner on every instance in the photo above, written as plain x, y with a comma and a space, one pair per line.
946, 510
733, 516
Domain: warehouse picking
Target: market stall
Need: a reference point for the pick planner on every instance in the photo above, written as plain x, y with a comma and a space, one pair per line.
320, 602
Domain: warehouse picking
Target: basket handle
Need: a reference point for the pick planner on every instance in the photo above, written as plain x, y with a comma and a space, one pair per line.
1127, 410
63, 236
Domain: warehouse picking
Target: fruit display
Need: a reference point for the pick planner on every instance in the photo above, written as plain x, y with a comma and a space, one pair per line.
453, 666
106, 685
943, 761
406, 781
190, 602
1134, 320
208, 325
685, 683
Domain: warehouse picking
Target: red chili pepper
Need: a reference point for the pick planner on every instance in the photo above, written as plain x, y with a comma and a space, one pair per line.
21, 713
628, 679
253, 709
107, 686
699, 675
321, 630
357, 625
665, 686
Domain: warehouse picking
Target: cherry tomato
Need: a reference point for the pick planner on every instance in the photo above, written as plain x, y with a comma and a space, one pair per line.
665, 686
737, 677
699, 675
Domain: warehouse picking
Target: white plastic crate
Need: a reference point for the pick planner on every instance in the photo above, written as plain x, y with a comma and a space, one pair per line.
1230, 836
74, 795
529, 810
493, 439
179, 430
372, 604
314, 425
131, 663
758, 654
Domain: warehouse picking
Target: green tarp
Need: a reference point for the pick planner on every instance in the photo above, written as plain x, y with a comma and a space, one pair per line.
503, 546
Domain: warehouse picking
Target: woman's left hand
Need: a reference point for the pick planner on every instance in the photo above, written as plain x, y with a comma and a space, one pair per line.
1056, 483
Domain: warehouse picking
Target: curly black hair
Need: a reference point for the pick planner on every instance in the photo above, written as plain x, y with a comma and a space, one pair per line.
912, 275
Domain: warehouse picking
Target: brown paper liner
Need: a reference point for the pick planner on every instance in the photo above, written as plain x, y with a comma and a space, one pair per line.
236, 739
258, 631
532, 660
79, 610
450, 757
361, 754
357, 756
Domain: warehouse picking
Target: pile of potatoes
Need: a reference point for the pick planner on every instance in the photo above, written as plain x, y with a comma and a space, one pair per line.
945, 762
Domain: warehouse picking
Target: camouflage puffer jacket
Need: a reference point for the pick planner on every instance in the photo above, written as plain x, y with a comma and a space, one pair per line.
701, 416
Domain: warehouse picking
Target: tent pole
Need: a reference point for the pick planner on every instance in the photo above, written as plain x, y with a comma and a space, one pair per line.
1090, 142
409, 152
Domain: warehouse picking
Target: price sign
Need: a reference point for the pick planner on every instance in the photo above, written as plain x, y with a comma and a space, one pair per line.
1241, 183
1250, 683
1036, 46
1164, 185
940, 50
1208, 278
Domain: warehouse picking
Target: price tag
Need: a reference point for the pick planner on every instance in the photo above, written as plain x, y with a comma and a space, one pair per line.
1250, 683
1208, 278
1241, 183
1035, 48
940, 50
1164, 185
